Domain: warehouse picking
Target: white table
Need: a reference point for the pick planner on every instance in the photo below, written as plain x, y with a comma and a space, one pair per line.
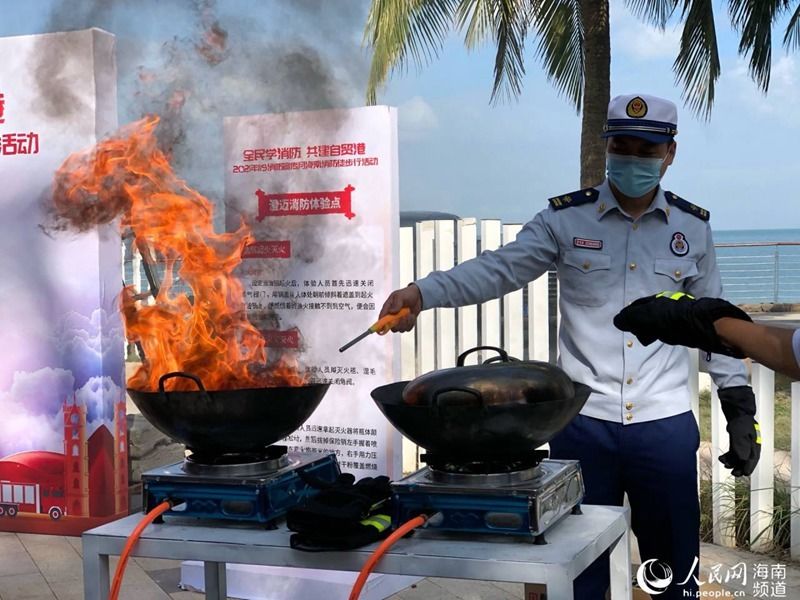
573, 544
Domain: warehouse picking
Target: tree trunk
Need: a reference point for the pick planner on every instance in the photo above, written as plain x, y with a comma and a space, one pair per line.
596, 89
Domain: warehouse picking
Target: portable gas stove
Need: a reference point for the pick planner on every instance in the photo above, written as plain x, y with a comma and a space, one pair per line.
517, 498
257, 487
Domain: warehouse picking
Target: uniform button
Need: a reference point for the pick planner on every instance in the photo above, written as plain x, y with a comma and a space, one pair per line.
630, 344
586, 265
629, 406
677, 273
629, 416
630, 380
632, 266
588, 193
635, 226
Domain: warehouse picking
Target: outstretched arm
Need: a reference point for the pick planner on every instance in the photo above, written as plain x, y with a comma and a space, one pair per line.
771, 346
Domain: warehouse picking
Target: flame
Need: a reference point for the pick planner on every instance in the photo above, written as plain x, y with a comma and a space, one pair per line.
205, 333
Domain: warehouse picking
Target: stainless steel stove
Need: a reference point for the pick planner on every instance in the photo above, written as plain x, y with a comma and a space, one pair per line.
256, 487
522, 498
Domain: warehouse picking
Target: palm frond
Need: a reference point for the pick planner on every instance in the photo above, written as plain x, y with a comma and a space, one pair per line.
513, 21
403, 31
560, 28
657, 12
478, 16
697, 65
753, 19
791, 38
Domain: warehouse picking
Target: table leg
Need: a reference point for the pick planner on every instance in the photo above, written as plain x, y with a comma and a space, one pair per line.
215, 579
559, 586
620, 566
95, 572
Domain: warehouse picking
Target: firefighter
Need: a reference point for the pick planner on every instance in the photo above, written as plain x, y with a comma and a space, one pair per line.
611, 244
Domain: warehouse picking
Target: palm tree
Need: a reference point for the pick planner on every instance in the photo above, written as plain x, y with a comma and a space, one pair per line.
574, 47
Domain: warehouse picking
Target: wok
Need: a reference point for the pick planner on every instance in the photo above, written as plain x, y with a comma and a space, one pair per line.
457, 422
224, 421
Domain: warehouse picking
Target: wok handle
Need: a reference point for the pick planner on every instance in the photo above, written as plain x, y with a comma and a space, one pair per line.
166, 376
462, 357
436, 402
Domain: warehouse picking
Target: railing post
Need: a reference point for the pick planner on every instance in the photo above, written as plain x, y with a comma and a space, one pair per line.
466, 249
408, 347
425, 329
490, 311
762, 485
723, 497
513, 333
444, 259
776, 290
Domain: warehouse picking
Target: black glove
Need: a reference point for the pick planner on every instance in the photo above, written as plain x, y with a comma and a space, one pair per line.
739, 406
342, 517
373, 528
678, 319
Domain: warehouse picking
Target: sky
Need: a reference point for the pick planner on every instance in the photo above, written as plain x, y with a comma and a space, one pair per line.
458, 153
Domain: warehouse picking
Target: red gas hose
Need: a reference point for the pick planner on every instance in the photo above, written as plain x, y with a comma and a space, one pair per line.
382, 549
116, 583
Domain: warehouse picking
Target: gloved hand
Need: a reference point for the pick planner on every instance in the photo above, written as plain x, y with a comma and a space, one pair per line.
739, 407
678, 319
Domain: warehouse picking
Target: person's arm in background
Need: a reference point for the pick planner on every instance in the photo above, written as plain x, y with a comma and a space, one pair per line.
725, 371
736, 396
777, 348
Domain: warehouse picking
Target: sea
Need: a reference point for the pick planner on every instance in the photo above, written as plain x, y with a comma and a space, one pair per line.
759, 265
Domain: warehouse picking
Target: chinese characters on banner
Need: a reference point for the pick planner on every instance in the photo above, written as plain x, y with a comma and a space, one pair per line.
15, 142
319, 191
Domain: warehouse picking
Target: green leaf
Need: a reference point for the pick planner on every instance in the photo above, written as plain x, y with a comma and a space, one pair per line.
697, 65
754, 19
403, 31
657, 12
560, 29
791, 38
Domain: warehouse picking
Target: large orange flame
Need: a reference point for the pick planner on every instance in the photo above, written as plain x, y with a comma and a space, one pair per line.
207, 332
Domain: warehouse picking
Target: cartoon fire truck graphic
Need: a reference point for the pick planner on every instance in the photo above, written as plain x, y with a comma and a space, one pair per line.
89, 478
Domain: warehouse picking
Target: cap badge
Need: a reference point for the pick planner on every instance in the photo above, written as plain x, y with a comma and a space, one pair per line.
636, 108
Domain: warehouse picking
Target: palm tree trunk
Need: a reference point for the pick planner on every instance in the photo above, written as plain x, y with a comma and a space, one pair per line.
596, 89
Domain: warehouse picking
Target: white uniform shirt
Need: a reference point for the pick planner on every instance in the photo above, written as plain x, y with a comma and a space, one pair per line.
605, 260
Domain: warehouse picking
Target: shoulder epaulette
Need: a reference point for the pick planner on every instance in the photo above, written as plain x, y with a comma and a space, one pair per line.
686, 206
584, 196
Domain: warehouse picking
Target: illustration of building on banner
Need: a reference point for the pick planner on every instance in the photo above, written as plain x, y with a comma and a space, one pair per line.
63, 440
75, 483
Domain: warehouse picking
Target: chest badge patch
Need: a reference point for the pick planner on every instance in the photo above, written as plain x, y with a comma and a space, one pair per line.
587, 243
679, 245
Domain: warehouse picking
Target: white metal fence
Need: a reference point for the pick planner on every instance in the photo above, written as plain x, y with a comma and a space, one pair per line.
520, 323
754, 272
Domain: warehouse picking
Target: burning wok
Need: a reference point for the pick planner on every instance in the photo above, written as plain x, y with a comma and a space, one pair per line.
239, 420
500, 410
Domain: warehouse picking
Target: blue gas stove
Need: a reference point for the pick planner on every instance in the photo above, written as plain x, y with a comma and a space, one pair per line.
522, 499
258, 488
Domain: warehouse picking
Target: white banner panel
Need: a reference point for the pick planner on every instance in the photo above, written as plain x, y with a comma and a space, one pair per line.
320, 192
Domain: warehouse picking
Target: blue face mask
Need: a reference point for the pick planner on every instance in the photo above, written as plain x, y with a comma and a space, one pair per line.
634, 176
